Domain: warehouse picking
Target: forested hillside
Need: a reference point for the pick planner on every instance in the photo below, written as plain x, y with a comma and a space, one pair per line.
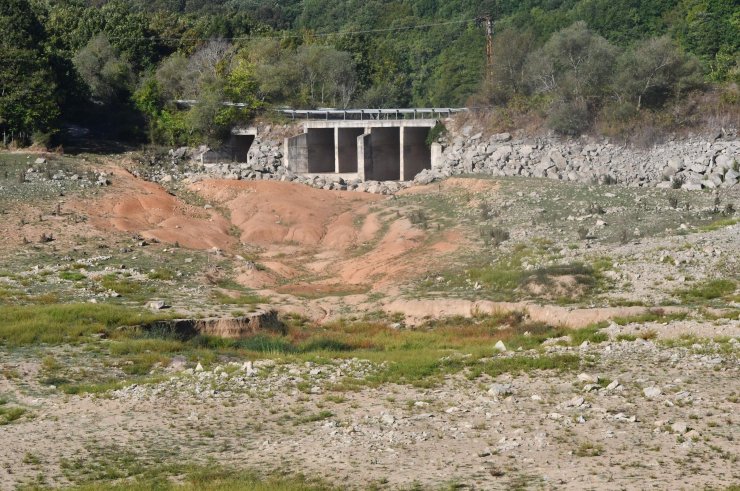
118, 65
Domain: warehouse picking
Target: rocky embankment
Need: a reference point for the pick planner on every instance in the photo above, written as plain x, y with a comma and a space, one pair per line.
693, 163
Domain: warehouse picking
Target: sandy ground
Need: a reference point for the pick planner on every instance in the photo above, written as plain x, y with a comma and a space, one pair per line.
329, 254
545, 430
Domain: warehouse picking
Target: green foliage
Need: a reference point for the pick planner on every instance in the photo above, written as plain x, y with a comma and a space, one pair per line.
575, 65
582, 57
708, 290
135, 473
27, 86
69, 323
436, 132
107, 76
653, 71
9, 414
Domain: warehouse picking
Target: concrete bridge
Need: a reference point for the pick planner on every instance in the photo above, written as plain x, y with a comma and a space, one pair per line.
378, 150
369, 144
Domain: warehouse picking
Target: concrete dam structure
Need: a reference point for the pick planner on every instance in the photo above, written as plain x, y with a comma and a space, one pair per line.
378, 150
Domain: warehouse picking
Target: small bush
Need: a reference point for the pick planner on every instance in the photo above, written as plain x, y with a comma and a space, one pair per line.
569, 117
436, 133
494, 235
71, 276
677, 182
161, 274
588, 449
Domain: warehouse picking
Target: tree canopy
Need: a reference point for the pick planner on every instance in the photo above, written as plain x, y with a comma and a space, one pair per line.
577, 56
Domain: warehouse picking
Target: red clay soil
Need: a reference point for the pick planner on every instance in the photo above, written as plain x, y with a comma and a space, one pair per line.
329, 239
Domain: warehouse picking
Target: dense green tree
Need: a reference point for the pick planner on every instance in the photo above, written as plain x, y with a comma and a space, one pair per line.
654, 71
28, 99
458, 73
108, 76
575, 67
710, 29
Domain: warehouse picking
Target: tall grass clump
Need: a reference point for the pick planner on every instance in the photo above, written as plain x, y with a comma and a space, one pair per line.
65, 323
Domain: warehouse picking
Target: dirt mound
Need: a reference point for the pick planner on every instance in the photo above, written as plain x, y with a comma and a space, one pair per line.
229, 327
133, 205
311, 241
269, 213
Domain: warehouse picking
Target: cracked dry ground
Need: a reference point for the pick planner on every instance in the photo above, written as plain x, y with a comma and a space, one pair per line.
625, 415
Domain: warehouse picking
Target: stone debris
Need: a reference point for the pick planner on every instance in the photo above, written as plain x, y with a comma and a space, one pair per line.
652, 392
691, 164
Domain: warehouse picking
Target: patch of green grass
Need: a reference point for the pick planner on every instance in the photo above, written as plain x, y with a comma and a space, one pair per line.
311, 418
31, 459
71, 275
506, 277
652, 315
708, 290
161, 274
626, 337
718, 224
130, 289
240, 299
9, 414
201, 478
591, 333
66, 323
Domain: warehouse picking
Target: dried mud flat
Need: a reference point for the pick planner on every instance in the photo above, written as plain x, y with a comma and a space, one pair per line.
630, 415
617, 308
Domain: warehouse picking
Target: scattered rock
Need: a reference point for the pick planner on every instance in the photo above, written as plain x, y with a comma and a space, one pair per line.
500, 390
652, 392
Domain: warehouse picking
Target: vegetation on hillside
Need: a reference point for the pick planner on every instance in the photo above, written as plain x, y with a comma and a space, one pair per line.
118, 65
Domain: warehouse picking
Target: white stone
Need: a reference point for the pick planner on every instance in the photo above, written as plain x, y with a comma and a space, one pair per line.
652, 392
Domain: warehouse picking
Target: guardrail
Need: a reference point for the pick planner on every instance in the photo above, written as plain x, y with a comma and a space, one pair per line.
353, 114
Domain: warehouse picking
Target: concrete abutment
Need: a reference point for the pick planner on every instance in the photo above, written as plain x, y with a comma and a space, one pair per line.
381, 150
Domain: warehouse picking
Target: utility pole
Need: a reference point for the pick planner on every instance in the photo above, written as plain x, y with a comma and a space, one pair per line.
489, 46
487, 21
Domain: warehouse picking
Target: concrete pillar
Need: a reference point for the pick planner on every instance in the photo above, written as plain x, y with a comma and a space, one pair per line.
336, 150
364, 156
437, 160
296, 153
346, 149
415, 153
321, 153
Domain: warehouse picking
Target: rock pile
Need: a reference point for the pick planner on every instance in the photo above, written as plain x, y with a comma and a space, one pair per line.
692, 164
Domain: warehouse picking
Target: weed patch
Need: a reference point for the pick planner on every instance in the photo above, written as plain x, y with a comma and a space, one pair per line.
708, 290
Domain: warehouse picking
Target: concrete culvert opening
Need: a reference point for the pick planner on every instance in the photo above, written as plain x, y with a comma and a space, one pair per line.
417, 155
320, 142
347, 149
384, 145
239, 146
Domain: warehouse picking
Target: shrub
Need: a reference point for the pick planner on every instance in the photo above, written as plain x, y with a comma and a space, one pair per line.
569, 117
436, 133
494, 235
